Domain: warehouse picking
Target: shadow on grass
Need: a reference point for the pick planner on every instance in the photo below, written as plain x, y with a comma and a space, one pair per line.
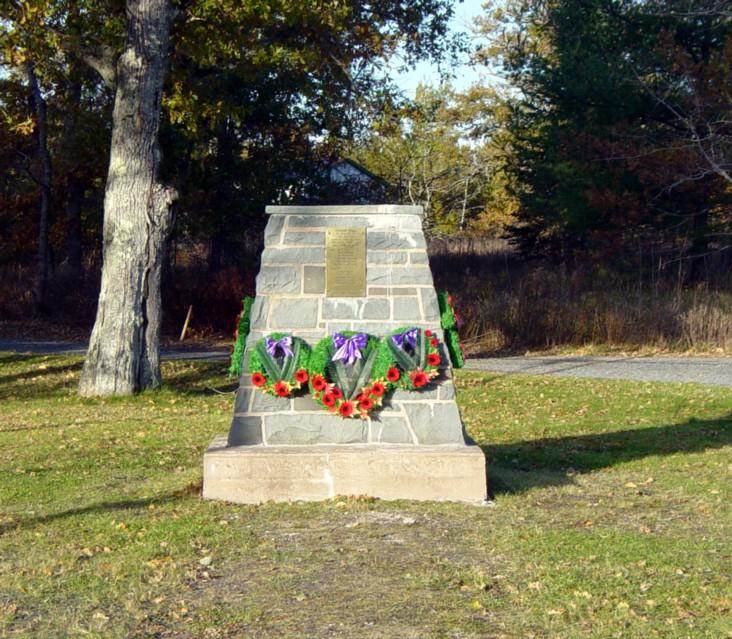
14, 358
34, 373
35, 383
520, 466
102, 507
200, 380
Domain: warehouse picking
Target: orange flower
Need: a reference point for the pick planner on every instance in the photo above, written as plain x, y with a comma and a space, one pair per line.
377, 389
301, 376
393, 374
346, 409
419, 379
282, 389
258, 379
318, 382
329, 399
365, 404
433, 359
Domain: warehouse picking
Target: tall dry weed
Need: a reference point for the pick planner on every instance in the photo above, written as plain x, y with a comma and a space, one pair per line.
511, 305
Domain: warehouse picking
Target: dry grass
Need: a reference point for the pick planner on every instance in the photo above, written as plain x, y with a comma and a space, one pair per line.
509, 305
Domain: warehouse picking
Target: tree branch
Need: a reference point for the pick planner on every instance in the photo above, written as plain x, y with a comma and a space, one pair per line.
101, 58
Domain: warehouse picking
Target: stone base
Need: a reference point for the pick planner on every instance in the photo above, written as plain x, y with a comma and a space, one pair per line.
255, 474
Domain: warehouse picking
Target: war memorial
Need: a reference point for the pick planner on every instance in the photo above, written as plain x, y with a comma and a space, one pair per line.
347, 385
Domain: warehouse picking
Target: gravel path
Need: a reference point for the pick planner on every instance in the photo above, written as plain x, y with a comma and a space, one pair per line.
703, 370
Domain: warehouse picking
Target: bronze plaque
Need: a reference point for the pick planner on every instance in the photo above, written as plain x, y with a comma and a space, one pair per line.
345, 262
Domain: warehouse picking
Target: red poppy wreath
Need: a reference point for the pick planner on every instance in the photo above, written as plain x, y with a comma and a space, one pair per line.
278, 364
341, 374
416, 354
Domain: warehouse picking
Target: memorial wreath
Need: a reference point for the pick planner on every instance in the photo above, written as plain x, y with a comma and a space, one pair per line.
348, 373
278, 364
416, 356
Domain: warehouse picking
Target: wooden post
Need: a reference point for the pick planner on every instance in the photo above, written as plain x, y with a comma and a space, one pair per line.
185, 324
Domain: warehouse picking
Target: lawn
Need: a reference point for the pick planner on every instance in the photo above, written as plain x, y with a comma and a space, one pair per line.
610, 518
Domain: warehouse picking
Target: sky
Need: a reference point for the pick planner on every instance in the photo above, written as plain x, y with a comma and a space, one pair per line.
428, 73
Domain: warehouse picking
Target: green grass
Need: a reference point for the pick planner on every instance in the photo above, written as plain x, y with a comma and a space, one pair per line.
610, 518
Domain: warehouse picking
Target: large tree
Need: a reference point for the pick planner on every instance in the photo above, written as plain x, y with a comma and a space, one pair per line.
124, 349
248, 84
421, 150
618, 125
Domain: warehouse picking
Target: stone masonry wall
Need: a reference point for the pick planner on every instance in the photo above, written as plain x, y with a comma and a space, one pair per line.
291, 298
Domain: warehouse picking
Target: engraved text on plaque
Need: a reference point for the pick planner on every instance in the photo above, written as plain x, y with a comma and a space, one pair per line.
345, 262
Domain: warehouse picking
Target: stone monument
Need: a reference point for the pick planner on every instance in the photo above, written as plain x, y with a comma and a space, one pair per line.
326, 269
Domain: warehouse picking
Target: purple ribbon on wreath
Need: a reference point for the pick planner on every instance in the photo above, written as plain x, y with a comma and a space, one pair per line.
407, 338
349, 348
283, 344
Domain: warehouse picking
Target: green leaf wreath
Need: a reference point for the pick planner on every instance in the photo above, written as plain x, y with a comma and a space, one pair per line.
278, 364
240, 337
416, 353
349, 373
449, 321
349, 387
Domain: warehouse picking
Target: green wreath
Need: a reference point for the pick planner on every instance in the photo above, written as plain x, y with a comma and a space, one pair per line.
415, 353
278, 364
349, 387
240, 337
449, 321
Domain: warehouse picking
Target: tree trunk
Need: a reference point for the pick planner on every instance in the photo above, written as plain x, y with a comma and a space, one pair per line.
73, 234
123, 355
75, 185
44, 221
699, 246
215, 253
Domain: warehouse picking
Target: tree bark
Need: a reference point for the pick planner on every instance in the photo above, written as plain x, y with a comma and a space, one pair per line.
44, 221
123, 355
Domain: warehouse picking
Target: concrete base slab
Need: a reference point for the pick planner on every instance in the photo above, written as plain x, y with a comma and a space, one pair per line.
255, 474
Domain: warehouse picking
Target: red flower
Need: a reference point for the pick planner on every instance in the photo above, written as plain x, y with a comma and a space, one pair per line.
301, 376
434, 342
346, 409
433, 359
366, 404
281, 389
428, 333
329, 399
419, 379
377, 389
393, 374
337, 392
318, 382
258, 379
